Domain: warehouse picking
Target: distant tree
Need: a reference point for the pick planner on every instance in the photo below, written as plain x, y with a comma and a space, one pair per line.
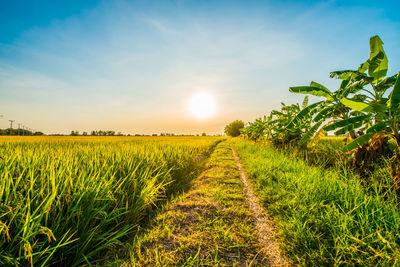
203, 134
74, 133
233, 129
154, 134
38, 133
110, 133
84, 133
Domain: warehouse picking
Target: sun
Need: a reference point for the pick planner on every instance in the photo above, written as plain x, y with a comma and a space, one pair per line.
202, 105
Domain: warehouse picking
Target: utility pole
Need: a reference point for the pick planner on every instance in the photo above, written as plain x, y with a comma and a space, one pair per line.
11, 122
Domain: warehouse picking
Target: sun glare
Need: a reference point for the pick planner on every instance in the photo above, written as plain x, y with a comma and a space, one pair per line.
202, 105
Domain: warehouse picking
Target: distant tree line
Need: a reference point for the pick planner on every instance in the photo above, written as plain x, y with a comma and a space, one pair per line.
97, 133
10, 131
167, 134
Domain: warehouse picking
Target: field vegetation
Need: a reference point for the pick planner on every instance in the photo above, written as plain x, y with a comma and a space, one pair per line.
67, 200
210, 225
365, 108
323, 217
84, 200
334, 199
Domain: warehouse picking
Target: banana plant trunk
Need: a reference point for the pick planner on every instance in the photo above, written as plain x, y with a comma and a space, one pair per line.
395, 166
395, 172
366, 156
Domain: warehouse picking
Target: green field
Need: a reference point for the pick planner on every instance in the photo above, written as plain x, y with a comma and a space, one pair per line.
67, 200
324, 216
145, 133
160, 201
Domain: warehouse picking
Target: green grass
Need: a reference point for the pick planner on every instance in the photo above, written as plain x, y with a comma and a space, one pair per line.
210, 225
67, 201
326, 153
323, 216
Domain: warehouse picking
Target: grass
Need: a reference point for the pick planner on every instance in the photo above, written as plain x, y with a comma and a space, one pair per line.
323, 216
210, 225
136, 201
66, 201
326, 153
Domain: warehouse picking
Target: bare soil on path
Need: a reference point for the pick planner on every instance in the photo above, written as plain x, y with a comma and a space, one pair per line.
265, 231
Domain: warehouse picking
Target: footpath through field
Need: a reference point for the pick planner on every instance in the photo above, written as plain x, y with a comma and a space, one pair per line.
214, 223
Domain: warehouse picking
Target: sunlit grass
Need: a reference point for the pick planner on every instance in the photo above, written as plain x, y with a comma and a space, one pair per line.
65, 200
210, 225
324, 216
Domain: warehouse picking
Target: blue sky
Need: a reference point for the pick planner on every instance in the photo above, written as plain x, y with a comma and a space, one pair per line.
131, 66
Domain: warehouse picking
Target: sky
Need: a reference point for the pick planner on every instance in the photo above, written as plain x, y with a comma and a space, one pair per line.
132, 66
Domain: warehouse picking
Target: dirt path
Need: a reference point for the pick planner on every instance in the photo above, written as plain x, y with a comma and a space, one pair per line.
265, 232
213, 224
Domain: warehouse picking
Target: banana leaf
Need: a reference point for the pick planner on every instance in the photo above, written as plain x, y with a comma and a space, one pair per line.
312, 90
303, 114
348, 128
315, 84
305, 102
378, 62
358, 142
352, 75
356, 105
343, 123
395, 95
378, 127
322, 114
310, 133
386, 83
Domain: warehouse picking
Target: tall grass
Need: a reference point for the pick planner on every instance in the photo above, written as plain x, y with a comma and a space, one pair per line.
64, 201
324, 217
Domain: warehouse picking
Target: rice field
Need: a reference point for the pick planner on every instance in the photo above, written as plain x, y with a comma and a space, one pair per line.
68, 200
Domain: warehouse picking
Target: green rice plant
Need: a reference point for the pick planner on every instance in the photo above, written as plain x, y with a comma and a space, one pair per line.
65, 201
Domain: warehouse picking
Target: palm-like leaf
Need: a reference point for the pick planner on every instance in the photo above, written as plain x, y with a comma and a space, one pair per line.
312, 90
358, 142
344, 123
356, 105
395, 95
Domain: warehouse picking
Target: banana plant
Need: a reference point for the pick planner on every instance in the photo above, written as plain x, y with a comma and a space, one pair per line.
385, 116
294, 123
377, 105
274, 125
256, 130
378, 114
331, 108
354, 112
